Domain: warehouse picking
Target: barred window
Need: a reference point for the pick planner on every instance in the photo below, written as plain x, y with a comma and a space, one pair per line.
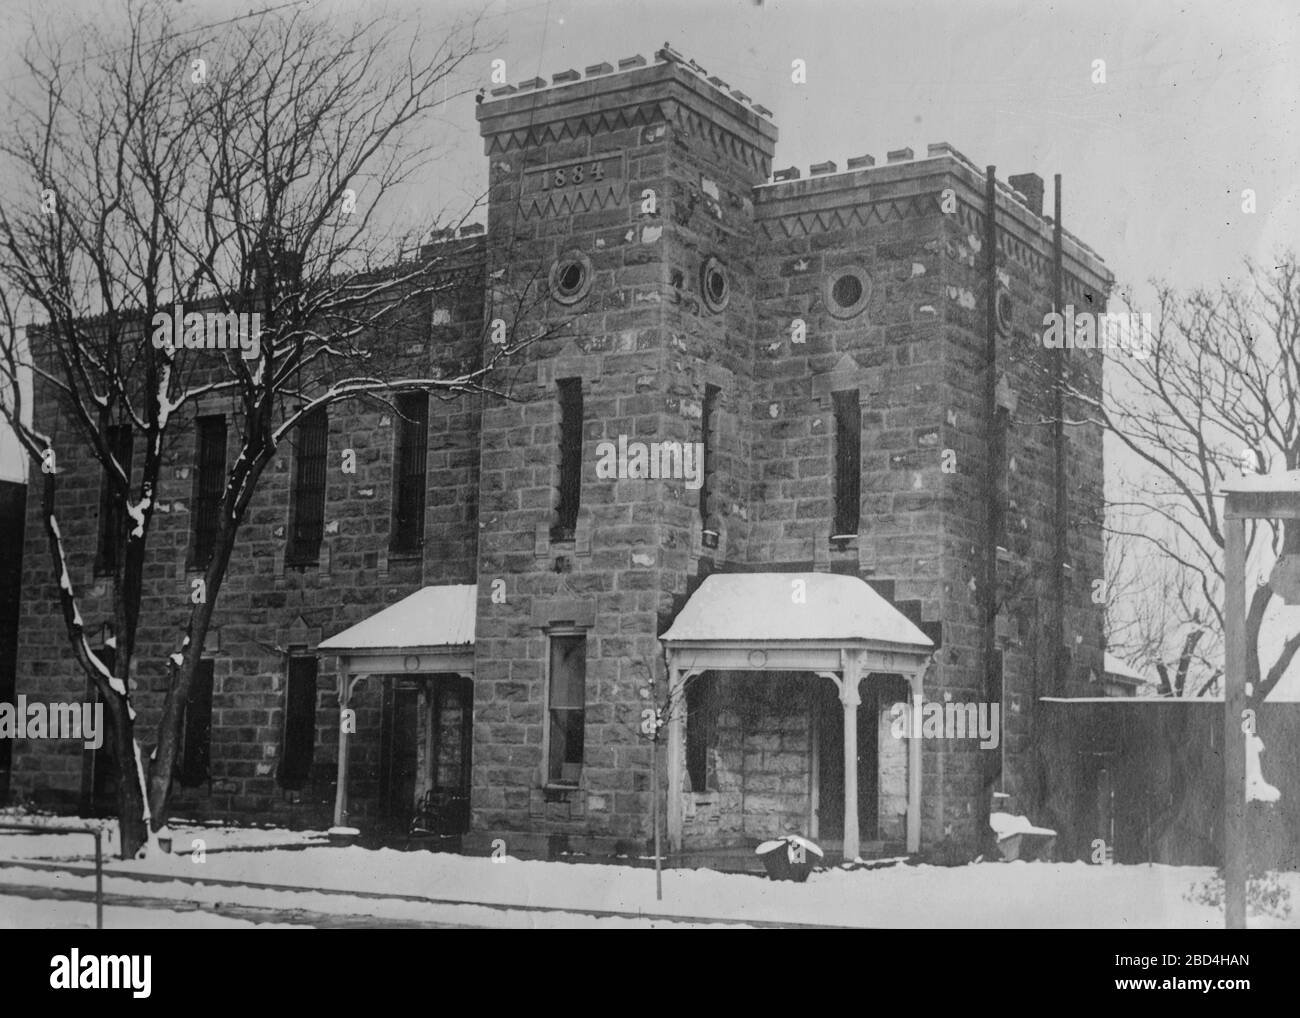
848, 462
299, 742
195, 757
99, 765
701, 729
708, 469
209, 487
566, 523
112, 504
307, 520
409, 464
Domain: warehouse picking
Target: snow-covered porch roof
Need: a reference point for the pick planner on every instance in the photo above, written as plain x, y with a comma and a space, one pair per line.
430, 630
793, 622
836, 626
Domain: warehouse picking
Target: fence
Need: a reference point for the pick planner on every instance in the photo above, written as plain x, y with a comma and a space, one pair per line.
97, 833
1146, 777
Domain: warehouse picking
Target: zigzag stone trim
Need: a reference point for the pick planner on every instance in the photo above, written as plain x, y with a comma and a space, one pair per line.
586, 200
884, 211
576, 127
723, 140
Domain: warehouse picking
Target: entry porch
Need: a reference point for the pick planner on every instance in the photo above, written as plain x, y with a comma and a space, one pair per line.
765, 677
421, 652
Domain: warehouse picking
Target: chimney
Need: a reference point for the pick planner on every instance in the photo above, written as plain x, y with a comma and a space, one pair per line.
1031, 186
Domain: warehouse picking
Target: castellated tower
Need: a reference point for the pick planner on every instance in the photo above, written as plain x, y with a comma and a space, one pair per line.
624, 195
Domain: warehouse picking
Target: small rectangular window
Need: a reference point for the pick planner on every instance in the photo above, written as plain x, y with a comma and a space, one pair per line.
570, 493
709, 429
299, 742
195, 757
409, 463
568, 708
701, 730
307, 511
848, 462
112, 505
209, 487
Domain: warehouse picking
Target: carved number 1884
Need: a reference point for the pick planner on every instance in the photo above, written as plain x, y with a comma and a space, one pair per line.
572, 176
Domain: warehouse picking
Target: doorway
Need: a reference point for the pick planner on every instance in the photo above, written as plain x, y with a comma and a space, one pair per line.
399, 754
879, 693
426, 752
829, 715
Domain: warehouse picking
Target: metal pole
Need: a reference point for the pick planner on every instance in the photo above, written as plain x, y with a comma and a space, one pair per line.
1234, 742
99, 883
654, 811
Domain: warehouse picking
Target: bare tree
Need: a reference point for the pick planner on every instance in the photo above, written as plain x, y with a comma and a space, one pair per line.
1154, 611
246, 168
1215, 393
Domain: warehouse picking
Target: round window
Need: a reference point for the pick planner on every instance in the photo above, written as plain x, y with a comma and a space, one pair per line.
847, 291
1004, 309
714, 284
570, 277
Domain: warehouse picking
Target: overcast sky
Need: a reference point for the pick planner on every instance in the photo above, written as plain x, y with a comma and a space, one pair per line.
1199, 101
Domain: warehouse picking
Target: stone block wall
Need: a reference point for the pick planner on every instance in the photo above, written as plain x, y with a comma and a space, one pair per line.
265, 609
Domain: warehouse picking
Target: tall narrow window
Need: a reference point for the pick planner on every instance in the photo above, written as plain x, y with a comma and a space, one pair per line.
409, 460
570, 459
307, 514
209, 486
112, 505
195, 757
299, 742
701, 726
568, 708
709, 430
848, 462
99, 766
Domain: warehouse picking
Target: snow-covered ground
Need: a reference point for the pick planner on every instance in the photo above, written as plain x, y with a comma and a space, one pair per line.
18, 913
70, 844
986, 895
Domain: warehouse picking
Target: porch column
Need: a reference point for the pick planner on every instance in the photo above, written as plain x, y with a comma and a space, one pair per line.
850, 698
341, 794
676, 705
914, 682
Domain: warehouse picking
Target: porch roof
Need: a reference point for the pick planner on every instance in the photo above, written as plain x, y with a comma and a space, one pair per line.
759, 608
430, 618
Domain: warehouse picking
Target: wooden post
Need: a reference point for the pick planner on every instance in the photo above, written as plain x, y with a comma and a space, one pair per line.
850, 698
914, 769
1234, 740
341, 793
675, 709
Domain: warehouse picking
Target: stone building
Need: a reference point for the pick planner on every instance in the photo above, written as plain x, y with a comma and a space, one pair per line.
789, 449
